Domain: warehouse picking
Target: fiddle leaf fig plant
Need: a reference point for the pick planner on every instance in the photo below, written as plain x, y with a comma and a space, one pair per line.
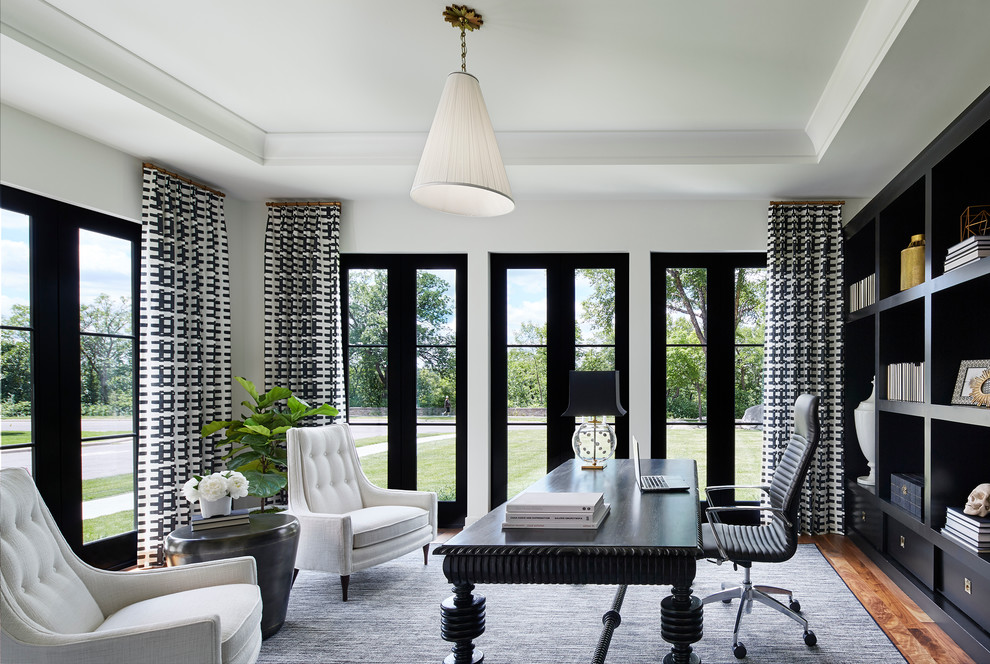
258, 440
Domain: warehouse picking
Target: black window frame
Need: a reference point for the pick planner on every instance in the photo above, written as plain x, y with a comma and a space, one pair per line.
560, 269
720, 335
402, 353
55, 362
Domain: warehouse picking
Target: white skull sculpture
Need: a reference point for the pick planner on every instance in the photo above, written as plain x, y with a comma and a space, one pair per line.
978, 503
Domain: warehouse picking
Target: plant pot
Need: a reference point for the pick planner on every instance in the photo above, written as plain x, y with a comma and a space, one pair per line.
218, 507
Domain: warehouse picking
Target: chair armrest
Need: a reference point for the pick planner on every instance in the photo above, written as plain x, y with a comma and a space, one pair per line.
326, 541
727, 487
115, 590
178, 641
714, 512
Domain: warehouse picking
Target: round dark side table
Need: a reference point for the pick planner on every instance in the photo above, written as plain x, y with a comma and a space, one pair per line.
272, 539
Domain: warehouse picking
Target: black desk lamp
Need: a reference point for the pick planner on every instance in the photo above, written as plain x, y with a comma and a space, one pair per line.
594, 395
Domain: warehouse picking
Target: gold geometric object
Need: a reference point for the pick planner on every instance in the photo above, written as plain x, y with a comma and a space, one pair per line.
980, 387
463, 17
975, 220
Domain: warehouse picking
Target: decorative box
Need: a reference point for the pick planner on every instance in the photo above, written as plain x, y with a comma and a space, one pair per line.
907, 491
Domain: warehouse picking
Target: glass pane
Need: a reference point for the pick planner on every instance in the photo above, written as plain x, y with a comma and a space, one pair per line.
106, 383
687, 384
367, 303
594, 306
595, 358
104, 284
436, 461
527, 388
108, 505
16, 394
15, 386
687, 291
435, 307
526, 306
372, 448
689, 441
749, 455
19, 458
367, 393
527, 456
15, 267
749, 384
751, 297
436, 385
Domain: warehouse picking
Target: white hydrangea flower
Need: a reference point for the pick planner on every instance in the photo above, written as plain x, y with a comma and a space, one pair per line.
237, 484
189, 490
212, 487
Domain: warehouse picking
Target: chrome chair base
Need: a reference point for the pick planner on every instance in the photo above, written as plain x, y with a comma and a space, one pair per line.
747, 593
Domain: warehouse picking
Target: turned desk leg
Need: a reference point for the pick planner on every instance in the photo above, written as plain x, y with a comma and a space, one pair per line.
681, 625
462, 619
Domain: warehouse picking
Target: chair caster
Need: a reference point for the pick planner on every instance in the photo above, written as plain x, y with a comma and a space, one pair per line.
739, 650
795, 606
809, 638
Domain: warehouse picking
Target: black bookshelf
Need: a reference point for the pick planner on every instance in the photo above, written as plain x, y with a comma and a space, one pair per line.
940, 322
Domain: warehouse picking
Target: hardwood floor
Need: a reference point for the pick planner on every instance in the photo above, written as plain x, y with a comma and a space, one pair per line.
919, 639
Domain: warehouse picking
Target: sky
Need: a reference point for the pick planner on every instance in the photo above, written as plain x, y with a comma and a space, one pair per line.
526, 292
104, 263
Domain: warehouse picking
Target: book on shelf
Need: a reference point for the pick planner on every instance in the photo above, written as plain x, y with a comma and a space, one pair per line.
967, 522
564, 501
971, 249
235, 518
557, 520
906, 382
971, 536
862, 293
975, 547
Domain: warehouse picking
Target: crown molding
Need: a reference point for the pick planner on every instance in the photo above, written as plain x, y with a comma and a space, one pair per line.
875, 32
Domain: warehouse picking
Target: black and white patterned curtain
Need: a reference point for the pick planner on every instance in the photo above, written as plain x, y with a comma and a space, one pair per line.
303, 345
185, 371
803, 348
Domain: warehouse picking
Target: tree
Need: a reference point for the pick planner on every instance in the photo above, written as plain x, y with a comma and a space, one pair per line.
104, 357
15, 356
527, 368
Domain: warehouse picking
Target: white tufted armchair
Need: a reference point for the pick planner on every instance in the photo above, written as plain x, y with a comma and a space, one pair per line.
55, 608
347, 523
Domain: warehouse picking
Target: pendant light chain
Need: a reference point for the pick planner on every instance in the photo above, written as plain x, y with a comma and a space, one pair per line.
465, 18
463, 51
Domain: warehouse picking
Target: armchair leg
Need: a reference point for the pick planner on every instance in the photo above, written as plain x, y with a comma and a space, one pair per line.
426, 554
344, 580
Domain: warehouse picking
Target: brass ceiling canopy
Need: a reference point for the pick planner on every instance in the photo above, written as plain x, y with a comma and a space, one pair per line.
463, 17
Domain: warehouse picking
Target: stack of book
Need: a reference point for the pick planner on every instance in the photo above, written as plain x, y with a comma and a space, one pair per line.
235, 518
534, 509
970, 532
863, 293
906, 382
971, 249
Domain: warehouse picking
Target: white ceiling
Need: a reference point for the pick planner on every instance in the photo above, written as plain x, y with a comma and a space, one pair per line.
631, 99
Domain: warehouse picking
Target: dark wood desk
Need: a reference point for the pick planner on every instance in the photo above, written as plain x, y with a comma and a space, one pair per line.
647, 539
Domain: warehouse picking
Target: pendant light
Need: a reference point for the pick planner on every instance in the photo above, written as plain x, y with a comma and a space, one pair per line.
461, 169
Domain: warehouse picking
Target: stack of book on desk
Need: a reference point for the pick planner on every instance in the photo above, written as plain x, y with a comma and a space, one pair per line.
971, 249
970, 532
235, 518
556, 510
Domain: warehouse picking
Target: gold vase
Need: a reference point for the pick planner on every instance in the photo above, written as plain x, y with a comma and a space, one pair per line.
913, 262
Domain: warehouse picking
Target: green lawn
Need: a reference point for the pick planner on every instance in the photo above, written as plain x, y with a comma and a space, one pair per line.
24, 437
107, 526
104, 487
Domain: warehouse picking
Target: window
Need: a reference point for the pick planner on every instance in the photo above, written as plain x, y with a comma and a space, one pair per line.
404, 332
69, 342
708, 364
550, 314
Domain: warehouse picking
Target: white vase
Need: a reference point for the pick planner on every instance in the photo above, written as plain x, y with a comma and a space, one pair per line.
218, 507
866, 433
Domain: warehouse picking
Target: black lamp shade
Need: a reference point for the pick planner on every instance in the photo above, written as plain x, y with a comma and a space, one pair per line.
594, 393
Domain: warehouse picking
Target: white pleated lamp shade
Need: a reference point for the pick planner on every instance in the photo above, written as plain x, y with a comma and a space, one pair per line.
461, 169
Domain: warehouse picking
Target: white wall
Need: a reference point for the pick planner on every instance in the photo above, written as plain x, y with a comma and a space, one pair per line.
48, 160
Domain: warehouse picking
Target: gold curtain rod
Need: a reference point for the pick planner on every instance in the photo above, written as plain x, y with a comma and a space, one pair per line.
305, 204
185, 179
836, 203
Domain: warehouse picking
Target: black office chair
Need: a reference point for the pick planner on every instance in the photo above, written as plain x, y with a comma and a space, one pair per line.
774, 541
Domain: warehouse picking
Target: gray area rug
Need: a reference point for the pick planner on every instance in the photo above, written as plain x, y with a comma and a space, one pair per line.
393, 616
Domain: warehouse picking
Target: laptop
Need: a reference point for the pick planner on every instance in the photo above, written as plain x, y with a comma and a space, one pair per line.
654, 483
